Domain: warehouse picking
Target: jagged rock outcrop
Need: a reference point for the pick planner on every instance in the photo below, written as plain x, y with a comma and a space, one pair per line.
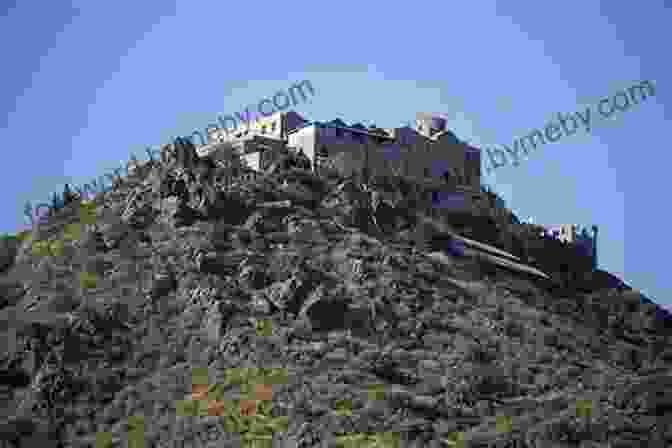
352, 290
9, 248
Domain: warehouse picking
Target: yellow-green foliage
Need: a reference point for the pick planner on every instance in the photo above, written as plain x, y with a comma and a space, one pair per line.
258, 426
185, 408
136, 431
260, 422
72, 232
199, 376
504, 424
41, 248
87, 280
584, 408
51, 247
376, 392
343, 407
24, 235
19, 237
369, 440
264, 327
104, 439
255, 441
56, 247
87, 213
275, 376
241, 375
216, 392
455, 440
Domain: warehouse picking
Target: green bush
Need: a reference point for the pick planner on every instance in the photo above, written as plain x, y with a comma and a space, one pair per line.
8, 237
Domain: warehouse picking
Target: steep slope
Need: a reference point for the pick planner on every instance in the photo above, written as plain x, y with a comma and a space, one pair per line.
371, 326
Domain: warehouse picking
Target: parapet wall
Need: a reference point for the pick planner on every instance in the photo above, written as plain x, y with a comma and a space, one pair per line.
574, 253
582, 239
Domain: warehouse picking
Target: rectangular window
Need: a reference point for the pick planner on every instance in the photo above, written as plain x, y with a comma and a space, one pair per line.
339, 132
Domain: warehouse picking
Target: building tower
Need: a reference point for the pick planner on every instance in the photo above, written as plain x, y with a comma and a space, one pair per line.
429, 124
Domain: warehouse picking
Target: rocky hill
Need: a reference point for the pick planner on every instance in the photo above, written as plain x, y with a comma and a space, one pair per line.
290, 311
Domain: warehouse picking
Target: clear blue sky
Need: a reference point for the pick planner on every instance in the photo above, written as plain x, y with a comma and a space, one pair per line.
85, 84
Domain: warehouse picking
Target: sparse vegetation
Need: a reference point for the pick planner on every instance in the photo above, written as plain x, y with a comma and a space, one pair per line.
154, 278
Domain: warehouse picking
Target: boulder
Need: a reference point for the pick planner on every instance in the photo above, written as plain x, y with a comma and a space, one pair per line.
186, 216
163, 284
11, 292
327, 313
290, 294
213, 323
229, 209
252, 277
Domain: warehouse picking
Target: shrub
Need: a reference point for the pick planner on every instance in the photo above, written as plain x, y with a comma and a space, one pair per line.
87, 280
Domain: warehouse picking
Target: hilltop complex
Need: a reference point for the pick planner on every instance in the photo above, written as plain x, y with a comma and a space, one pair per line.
255, 287
428, 153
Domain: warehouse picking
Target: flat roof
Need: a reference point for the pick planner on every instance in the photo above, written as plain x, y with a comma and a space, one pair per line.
347, 128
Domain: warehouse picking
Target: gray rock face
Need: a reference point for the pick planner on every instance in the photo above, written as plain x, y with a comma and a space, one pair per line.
11, 293
381, 326
8, 251
290, 294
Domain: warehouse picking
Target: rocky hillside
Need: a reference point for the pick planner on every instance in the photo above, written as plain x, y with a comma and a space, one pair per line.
289, 312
